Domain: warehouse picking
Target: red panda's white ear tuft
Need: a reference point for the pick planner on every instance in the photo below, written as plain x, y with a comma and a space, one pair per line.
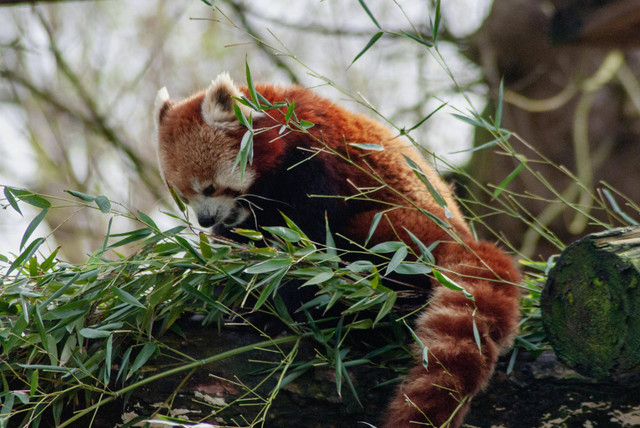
160, 106
217, 105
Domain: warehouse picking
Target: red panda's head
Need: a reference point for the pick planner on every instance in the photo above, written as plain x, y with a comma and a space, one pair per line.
198, 141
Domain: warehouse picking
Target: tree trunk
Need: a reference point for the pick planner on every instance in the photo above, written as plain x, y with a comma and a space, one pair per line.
591, 303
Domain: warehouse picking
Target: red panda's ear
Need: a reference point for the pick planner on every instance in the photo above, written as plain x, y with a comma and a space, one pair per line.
161, 106
217, 105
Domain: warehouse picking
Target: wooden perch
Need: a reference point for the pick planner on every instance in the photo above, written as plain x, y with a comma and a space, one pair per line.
591, 303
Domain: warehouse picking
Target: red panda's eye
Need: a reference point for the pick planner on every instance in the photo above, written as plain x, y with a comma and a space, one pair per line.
209, 191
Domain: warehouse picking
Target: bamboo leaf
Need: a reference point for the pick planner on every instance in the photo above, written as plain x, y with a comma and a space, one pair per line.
476, 335
80, 195
417, 170
373, 227
107, 360
248, 233
323, 276
398, 257
504, 183
285, 233
387, 247
426, 118
252, 89
368, 146
390, 300
94, 333
373, 40
145, 354
268, 266
103, 203
147, 220
368, 12
25, 255
127, 298
32, 226
499, 102
417, 38
450, 284
11, 199
30, 198
435, 25
205, 247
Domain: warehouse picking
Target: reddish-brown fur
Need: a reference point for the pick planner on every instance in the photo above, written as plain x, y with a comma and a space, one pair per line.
457, 369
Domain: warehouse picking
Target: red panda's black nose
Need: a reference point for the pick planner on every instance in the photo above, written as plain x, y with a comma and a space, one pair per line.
206, 221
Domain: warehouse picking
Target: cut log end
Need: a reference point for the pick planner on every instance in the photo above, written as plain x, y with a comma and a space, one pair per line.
591, 304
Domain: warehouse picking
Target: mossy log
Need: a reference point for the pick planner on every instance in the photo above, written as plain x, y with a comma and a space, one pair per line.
591, 304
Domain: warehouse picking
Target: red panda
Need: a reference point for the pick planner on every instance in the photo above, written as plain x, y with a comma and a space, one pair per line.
198, 141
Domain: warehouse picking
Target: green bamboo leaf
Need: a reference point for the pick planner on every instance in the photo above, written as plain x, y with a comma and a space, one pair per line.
245, 154
373, 227
177, 200
11, 199
499, 102
373, 40
127, 298
25, 255
124, 364
30, 198
398, 257
360, 266
450, 284
33, 383
273, 283
205, 248
187, 246
68, 310
269, 266
425, 349
387, 247
147, 220
103, 203
287, 115
417, 170
435, 25
7, 407
94, 333
389, 301
107, 360
425, 252
305, 124
80, 195
285, 233
504, 183
49, 262
145, 354
323, 276
133, 236
241, 117
252, 89
368, 146
417, 38
476, 335
368, 12
412, 268
248, 233
330, 243
426, 118
32, 226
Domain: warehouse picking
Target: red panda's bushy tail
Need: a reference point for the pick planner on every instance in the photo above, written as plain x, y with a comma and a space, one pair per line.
458, 368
